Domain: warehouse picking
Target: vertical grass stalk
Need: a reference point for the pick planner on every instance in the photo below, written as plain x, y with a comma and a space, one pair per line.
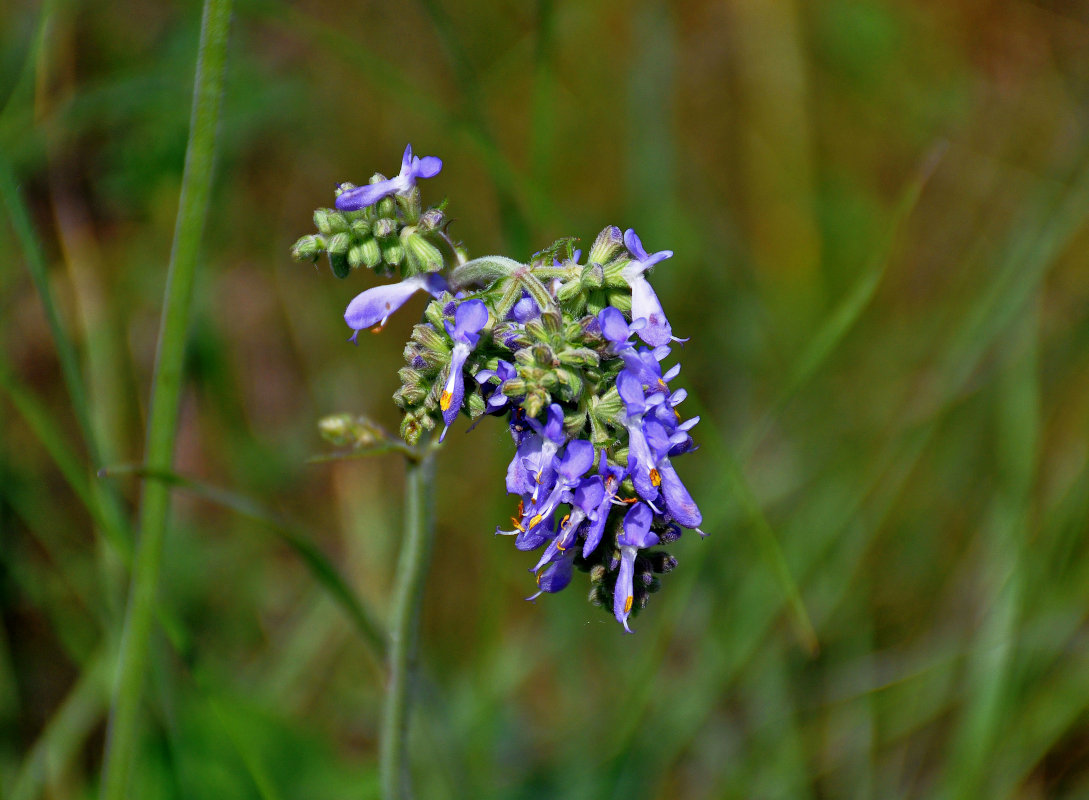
121, 741
404, 626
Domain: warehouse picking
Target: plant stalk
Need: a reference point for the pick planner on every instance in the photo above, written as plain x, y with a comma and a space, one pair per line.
408, 595
122, 740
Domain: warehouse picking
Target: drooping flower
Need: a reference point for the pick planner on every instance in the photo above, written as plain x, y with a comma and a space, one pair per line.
644, 302
374, 306
469, 319
412, 168
637, 535
678, 502
611, 476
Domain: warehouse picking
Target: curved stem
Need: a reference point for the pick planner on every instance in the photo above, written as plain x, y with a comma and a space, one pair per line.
404, 626
121, 740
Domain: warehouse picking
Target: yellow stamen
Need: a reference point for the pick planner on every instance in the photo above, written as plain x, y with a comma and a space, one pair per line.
445, 400
655, 478
561, 548
629, 500
627, 604
564, 520
517, 524
535, 521
378, 328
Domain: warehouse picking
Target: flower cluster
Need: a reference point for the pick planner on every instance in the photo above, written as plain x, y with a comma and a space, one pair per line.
569, 352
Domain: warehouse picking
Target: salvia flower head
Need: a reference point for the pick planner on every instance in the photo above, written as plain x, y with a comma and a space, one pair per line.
572, 354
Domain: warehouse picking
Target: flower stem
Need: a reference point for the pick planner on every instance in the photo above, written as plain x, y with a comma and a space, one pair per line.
121, 740
404, 626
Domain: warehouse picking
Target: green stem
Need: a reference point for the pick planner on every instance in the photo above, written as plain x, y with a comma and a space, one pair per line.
121, 741
404, 626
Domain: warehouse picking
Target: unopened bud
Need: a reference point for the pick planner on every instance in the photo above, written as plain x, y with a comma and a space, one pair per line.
339, 244
543, 355
579, 357
393, 253
432, 219
422, 254
513, 387
308, 248
476, 405
328, 221
384, 227
371, 252
607, 243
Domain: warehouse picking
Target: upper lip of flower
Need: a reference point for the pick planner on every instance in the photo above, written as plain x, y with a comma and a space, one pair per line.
412, 168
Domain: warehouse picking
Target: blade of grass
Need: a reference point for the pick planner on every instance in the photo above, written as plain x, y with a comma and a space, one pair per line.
843, 318
988, 678
68, 729
292, 535
121, 740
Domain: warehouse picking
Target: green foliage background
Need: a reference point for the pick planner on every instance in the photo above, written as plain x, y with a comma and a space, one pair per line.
878, 209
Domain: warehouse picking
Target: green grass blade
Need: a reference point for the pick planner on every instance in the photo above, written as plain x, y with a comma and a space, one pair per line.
298, 540
121, 741
843, 318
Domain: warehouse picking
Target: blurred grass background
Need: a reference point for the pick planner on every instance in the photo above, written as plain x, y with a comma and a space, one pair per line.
878, 209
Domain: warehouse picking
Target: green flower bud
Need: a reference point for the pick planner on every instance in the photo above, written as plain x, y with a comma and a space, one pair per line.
606, 245
579, 357
515, 387
620, 299
476, 405
430, 339
422, 254
345, 430
324, 219
552, 321
432, 220
339, 244
535, 402
411, 428
597, 595
356, 256
371, 252
386, 207
393, 253
544, 356
593, 277
360, 228
308, 248
384, 227
598, 573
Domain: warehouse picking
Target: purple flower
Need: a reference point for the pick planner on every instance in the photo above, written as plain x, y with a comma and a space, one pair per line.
552, 436
374, 306
584, 501
611, 476
636, 535
469, 318
644, 302
678, 502
556, 577
577, 458
640, 459
412, 167
504, 371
